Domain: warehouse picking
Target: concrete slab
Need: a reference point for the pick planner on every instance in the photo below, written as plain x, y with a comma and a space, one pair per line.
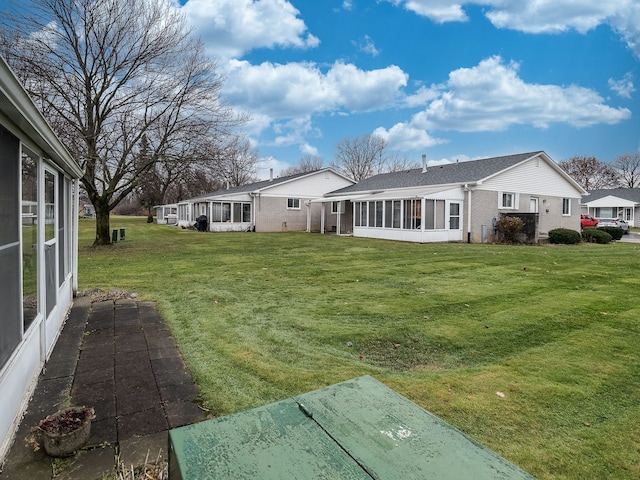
87, 464
142, 423
142, 450
137, 383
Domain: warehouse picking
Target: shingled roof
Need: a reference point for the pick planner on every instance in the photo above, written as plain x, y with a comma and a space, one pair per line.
631, 194
252, 187
452, 173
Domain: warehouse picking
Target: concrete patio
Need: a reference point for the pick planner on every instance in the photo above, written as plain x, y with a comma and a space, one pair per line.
119, 357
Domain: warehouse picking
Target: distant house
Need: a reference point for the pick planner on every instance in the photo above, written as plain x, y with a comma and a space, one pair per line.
167, 214
274, 205
614, 203
459, 201
38, 247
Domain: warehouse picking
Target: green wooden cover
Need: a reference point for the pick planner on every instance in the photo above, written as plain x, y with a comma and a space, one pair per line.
356, 429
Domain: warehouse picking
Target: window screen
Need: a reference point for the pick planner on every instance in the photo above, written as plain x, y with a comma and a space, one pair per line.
10, 321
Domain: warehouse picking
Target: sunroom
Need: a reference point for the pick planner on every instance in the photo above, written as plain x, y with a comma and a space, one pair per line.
38, 245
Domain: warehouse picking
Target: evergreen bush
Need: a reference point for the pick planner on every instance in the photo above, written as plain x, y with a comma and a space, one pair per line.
615, 232
595, 235
564, 236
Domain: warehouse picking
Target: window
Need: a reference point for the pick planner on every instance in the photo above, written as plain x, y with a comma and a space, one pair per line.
246, 212
361, 214
412, 214
397, 208
379, 210
434, 216
566, 206
507, 200
10, 321
454, 216
388, 214
293, 203
337, 207
237, 212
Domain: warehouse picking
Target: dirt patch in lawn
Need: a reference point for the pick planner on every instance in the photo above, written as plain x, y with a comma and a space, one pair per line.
409, 353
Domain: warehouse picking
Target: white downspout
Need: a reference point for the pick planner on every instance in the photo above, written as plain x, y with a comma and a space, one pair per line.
468, 190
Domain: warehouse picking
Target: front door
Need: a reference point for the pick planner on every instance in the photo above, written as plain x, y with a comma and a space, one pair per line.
455, 222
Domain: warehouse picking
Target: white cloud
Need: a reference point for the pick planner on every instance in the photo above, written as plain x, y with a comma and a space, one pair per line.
439, 11
367, 46
404, 137
492, 97
347, 5
231, 27
552, 16
623, 87
541, 16
298, 89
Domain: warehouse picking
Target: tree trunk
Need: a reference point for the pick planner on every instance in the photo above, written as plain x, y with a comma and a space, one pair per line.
102, 224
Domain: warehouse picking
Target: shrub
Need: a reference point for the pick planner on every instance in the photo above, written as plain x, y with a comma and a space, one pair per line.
615, 232
594, 235
509, 228
564, 236
150, 219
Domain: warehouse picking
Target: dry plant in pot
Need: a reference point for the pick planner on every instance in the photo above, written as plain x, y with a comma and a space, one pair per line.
63, 432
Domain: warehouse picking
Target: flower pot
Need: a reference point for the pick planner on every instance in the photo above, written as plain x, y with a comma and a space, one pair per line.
66, 431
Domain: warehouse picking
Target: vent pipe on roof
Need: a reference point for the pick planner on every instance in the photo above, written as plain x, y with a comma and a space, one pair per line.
424, 163
271, 174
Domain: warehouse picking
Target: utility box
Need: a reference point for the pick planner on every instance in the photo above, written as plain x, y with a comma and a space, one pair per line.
358, 429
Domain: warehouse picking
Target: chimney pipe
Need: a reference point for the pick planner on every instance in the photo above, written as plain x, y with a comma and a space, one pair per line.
271, 174
424, 163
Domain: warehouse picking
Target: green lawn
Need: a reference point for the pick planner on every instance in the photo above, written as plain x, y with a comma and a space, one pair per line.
261, 317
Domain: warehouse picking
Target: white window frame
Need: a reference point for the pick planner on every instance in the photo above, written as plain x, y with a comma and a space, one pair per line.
566, 202
293, 204
337, 207
514, 201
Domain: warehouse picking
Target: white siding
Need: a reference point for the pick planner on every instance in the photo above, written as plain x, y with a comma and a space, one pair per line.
534, 177
312, 186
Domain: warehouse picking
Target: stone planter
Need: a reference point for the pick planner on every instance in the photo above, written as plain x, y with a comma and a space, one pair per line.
66, 431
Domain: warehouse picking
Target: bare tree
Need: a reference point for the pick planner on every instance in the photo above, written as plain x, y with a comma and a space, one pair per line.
307, 164
396, 163
360, 157
628, 167
237, 162
107, 73
590, 172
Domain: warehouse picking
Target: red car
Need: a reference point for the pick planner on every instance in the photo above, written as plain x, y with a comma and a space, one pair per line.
588, 221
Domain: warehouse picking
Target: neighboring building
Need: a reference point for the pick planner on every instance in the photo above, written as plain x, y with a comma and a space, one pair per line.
167, 214
38, 247
459, 201
274, 205
614, 203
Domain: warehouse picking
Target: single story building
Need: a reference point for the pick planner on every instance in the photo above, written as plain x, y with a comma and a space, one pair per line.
621, 203
274, 205
167, 214
458, 202
38, 246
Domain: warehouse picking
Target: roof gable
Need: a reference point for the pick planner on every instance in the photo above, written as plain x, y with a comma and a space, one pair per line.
263, 185
629, 194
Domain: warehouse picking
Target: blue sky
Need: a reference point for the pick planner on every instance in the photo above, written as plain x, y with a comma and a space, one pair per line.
451, 80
